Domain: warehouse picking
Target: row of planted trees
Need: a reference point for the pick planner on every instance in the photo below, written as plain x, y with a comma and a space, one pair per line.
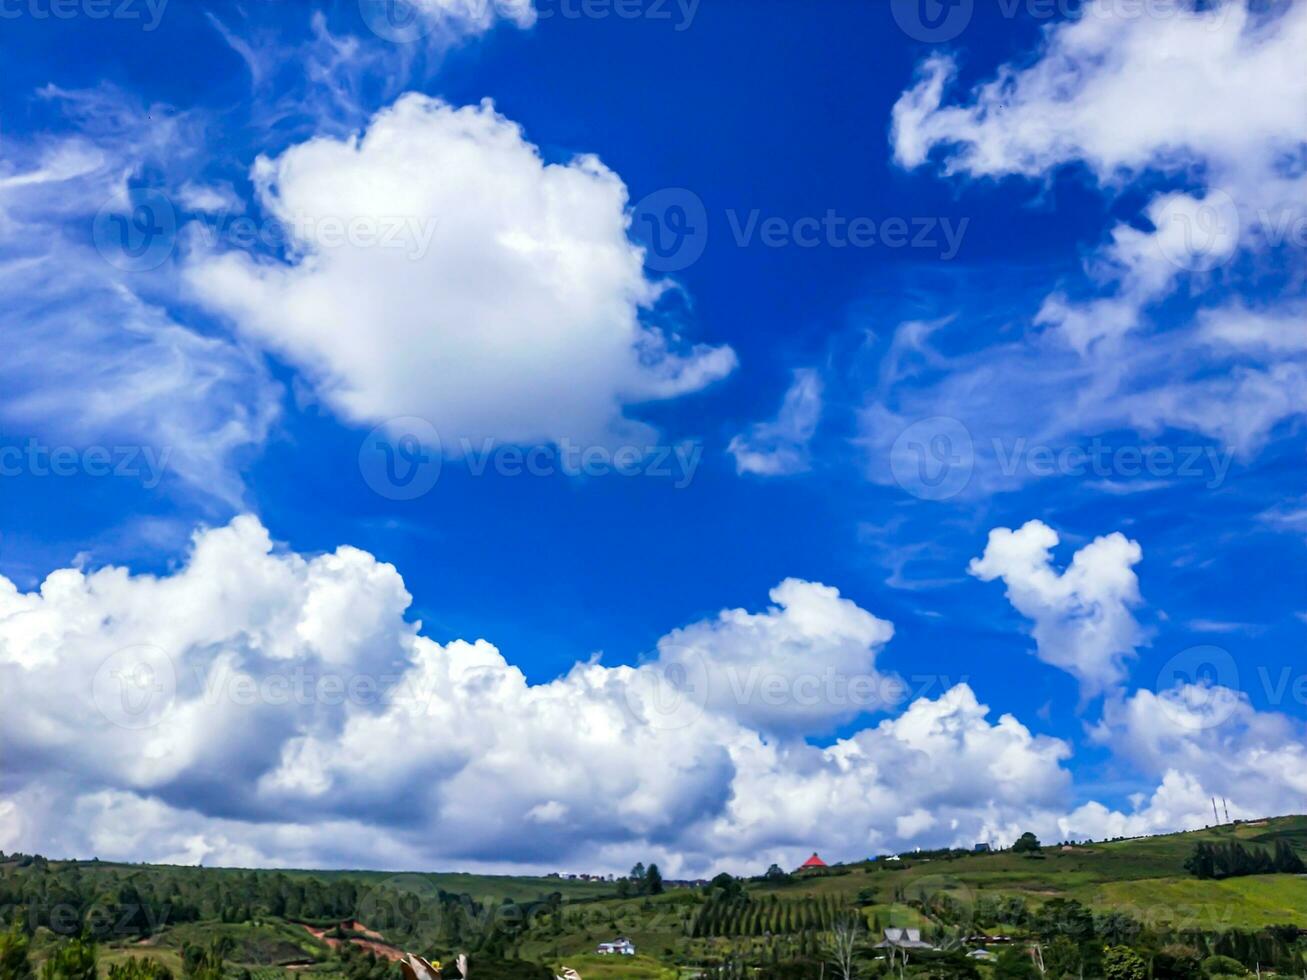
738, 915
77, 959
1233, 860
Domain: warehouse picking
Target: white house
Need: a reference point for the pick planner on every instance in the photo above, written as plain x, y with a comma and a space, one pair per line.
903, 939
618, 947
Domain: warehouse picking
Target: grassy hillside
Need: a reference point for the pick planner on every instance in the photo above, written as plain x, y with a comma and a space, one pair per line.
1144, 876
1135, 891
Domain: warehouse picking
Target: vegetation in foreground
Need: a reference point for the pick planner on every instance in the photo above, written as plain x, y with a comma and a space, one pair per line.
1224, 902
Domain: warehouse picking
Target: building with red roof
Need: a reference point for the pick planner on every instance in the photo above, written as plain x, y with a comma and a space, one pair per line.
813, 862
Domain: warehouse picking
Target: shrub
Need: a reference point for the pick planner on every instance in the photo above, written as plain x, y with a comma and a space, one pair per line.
142, 968
1123, 963
1223, 966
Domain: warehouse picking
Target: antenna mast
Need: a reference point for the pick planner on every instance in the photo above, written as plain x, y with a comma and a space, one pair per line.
1215, 816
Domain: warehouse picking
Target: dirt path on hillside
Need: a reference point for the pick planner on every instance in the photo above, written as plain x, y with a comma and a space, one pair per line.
376, 945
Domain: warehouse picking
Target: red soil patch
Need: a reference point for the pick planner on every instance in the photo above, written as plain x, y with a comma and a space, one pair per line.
378, 945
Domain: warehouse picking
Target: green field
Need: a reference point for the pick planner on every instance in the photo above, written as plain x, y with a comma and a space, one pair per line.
593, 967
1139, 886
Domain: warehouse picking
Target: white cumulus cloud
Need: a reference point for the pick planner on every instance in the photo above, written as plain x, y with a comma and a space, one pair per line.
1082, 618
246, 708
442, 269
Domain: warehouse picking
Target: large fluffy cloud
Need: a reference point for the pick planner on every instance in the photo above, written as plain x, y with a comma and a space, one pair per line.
1082, 616
803, 665
441, 268
1202, 740
247, 708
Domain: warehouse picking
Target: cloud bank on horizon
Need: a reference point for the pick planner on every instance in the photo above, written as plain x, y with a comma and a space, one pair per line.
367, 246
246, 709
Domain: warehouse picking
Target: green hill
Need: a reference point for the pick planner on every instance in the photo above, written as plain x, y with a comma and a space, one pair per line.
349, 925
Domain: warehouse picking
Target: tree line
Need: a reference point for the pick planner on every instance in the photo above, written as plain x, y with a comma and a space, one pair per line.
1232, 860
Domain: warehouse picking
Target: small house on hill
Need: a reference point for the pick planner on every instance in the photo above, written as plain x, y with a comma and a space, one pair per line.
898, 939
814, 863
618, 947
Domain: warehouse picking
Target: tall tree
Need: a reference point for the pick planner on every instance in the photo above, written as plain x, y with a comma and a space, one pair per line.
842, 947
653, 881
1027, 843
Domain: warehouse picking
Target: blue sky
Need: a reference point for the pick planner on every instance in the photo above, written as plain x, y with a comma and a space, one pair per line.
828, 299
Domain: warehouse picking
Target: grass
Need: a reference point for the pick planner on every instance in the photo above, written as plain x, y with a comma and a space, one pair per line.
594, 967
106, 956
1235, 903
267, 942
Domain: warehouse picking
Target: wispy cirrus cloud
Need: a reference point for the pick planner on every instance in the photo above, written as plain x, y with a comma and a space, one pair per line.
780, 447
1189, 315
96, 354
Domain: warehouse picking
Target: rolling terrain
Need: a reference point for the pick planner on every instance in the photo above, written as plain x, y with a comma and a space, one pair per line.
352, 924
